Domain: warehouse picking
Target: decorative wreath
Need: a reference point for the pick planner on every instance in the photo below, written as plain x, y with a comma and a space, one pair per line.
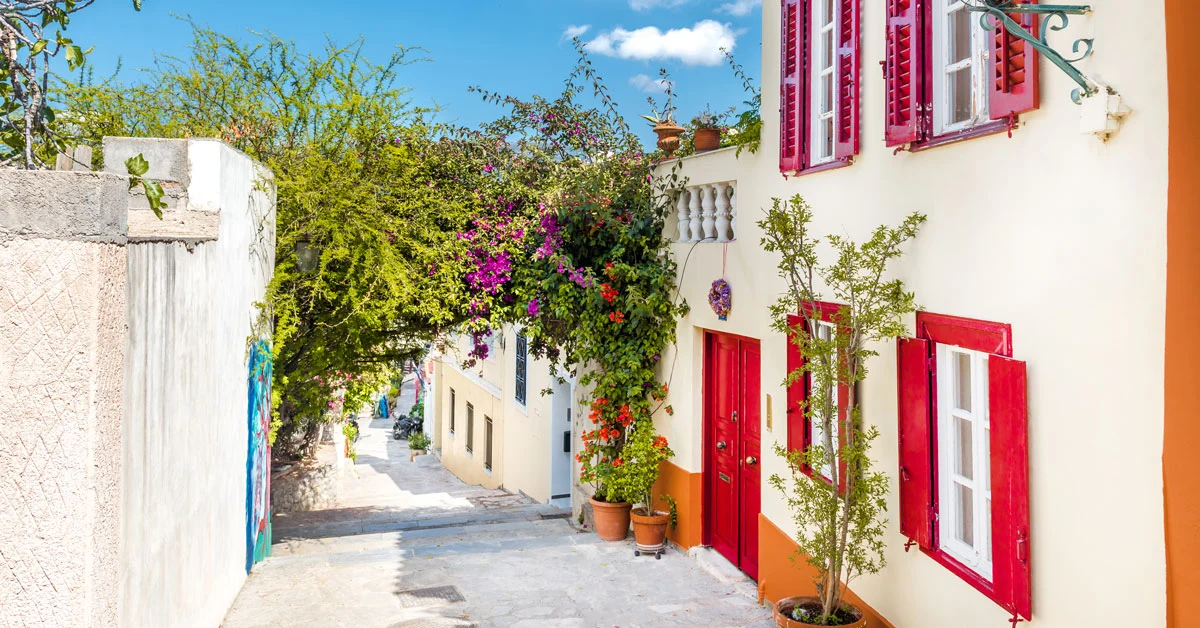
720, 299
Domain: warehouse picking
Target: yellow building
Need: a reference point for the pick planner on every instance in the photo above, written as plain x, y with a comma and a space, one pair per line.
1044, 265
493, 426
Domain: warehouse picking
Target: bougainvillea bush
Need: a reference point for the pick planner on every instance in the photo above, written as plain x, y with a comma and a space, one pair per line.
569, 244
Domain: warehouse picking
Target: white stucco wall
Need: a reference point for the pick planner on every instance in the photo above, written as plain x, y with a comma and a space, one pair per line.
1054, 232
191, 313
62, 330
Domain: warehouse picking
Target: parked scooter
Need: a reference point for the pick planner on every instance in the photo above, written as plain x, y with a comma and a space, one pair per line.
405, 426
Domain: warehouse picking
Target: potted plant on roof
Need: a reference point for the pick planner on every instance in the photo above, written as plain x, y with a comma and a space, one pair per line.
635, 477
838, 511
706, 128
664, 125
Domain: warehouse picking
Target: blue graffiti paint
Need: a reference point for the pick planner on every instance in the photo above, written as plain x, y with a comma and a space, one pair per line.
258, 455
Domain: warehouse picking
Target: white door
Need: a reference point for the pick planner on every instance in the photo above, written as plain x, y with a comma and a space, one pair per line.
561, 443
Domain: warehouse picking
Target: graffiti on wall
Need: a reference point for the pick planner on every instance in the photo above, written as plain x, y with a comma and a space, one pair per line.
258, 458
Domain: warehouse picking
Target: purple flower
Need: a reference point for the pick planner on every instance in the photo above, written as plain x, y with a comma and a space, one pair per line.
533, 308
488, 169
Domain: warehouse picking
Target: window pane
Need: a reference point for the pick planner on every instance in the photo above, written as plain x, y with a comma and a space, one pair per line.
962, 381
827, 41
964, 460
964, 529
827, 138
827, 16
959, 41
827, 93
960, 95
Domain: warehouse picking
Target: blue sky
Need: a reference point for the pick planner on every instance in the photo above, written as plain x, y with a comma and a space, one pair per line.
512, 46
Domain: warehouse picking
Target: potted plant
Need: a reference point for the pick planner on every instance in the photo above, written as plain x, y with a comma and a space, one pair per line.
635, 477
668, 132
837, 500
706, 129
599, 460
418, 445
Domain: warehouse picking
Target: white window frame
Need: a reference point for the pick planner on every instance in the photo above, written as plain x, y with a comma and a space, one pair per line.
943, 14
979, 557
820, 68
816, 435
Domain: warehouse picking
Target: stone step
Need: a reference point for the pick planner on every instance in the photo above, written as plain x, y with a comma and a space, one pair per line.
339, 522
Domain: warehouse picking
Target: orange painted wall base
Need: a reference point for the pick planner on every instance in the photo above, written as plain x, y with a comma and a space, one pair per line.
780, 576
686, 488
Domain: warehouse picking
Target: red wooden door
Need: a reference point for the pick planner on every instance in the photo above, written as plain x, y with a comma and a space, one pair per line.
732, 448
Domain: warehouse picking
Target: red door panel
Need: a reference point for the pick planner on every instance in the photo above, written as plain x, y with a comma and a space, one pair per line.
733, 483
723, 446
751, 485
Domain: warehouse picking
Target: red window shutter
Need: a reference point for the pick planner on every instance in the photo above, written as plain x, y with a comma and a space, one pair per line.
797, 427
916, 453
1014, 86
902, 65
791, 86
846, 142
1010, 484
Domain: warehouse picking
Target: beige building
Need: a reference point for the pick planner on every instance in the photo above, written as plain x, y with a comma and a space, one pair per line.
493, 426
1047, 283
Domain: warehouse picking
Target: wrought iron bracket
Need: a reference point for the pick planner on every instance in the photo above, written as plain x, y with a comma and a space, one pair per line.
998, 13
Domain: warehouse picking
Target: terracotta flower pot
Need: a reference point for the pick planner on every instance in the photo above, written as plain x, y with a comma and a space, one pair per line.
783, 613
612, 520
668, 136
650, 531
707, 139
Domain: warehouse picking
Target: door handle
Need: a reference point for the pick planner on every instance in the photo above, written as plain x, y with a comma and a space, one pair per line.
751, 460
733, 416
721, 444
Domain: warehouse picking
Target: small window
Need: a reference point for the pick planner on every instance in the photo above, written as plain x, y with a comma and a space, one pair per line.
470, 428
452, 405
521, 369
959, 75
825, 331
823, 78
964, 435
487, 435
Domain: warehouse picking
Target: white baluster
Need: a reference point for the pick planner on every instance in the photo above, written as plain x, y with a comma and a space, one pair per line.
681, 205
706, 204
733, 210
722, 203
694, 203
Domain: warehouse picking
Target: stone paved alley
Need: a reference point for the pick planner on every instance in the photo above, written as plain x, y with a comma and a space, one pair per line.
411, 546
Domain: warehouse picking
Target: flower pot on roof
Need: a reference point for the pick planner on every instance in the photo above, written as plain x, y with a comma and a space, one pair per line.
802, 612
667, 130
707, 134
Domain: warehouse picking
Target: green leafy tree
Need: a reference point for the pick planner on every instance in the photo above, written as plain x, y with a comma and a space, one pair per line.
31, 35
357, 171
839, 521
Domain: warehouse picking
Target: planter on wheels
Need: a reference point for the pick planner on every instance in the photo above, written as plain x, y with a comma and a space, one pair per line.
650, 531
668, 136
612, 520
707, 139
783, 613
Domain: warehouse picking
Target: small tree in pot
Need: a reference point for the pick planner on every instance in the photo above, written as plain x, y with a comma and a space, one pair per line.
634, 475
837, 500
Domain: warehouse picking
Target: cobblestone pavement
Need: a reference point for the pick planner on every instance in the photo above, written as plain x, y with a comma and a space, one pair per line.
427, 550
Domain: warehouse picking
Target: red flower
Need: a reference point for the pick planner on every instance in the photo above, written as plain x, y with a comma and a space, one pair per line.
618, 462
616, 317
660, 442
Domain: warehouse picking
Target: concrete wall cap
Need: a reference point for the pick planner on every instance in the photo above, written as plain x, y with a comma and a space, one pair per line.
87, 206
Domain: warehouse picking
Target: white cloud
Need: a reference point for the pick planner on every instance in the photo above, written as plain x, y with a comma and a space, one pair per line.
649, 85
574, 31
739, 8
643, 5
699, 45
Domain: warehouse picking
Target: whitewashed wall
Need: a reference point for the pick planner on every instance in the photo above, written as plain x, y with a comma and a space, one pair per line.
1052, 231
191, 312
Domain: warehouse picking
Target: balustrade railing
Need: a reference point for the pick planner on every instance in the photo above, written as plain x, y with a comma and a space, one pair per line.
707, 213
